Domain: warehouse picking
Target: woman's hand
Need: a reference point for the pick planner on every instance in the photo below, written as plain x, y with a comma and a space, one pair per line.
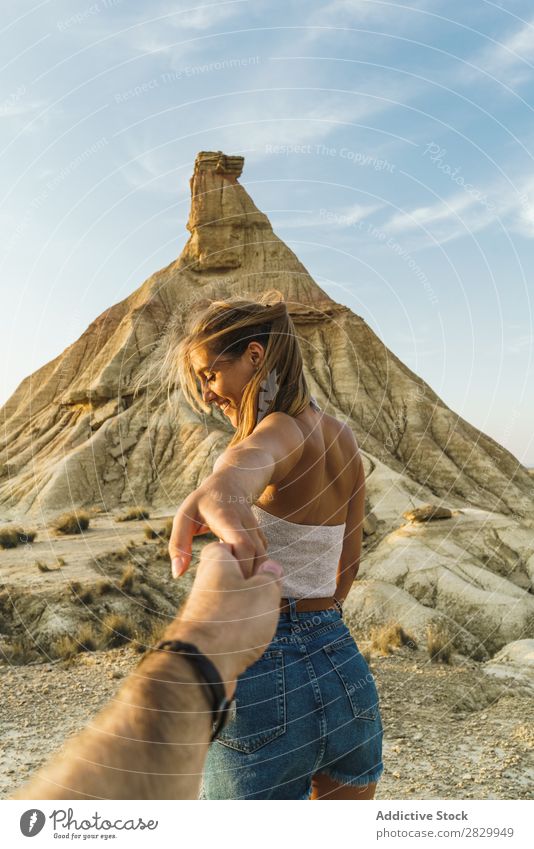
229, 517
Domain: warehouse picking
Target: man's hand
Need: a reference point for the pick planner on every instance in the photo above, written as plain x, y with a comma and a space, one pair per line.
230, 618
150, 741
229, 517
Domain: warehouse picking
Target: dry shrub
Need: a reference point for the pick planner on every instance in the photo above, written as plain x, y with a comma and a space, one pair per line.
117, 630
9, 538
166, 530
72, 523
366, 653
164, 533
104, 587
389, 637
146, 593
43, 567
68, 645
133, 514
25, 536
87, 639
86, 596
19, 651
439, 645
60, 562
121, 554
81, 593
150, 637
128, 578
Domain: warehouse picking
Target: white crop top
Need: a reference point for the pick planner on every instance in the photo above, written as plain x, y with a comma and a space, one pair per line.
309, 554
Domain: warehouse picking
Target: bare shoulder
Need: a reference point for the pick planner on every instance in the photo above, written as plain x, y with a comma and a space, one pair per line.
343, 435
282, 426
349, 439
350, 452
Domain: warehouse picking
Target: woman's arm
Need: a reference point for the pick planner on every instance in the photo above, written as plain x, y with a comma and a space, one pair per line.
266, 456
349, 562
223, 500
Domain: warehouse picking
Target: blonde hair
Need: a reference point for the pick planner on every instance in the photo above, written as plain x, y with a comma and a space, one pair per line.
225, 328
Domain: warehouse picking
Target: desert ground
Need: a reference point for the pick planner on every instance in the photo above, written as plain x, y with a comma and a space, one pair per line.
451, 730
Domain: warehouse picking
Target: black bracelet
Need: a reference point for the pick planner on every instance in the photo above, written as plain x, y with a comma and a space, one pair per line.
208, 671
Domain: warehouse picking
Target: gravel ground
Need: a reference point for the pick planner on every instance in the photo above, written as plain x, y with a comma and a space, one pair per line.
450, 731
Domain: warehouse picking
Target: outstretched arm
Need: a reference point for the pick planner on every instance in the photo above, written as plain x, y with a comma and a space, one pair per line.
349, 562
151, 740
223, 500
266, 456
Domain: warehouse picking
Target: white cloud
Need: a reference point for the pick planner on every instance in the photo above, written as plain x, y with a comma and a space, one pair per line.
338, 12
465, 213
510, 61
342, 217
521, 343
180, 20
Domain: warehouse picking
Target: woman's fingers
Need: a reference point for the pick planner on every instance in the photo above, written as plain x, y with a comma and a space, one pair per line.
248, 544
250, 551
181, 542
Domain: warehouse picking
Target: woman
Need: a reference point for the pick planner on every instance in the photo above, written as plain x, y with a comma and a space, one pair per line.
306, 721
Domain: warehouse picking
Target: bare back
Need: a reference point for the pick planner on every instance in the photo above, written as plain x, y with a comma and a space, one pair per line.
318, 488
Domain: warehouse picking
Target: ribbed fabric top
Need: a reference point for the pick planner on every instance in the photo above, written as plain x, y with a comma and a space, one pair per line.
308, 553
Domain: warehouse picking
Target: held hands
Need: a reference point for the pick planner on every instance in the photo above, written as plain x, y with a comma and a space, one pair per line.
229, 517
230, 618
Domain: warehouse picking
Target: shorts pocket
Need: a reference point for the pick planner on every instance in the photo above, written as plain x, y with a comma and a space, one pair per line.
355, 676
260, 710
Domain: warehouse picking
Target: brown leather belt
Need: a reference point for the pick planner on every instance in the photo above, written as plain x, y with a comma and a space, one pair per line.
308, 604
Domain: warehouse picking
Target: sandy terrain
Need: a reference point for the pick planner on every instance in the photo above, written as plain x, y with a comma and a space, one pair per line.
451, 731
437, 743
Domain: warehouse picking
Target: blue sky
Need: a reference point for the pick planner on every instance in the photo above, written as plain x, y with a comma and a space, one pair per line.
391, 145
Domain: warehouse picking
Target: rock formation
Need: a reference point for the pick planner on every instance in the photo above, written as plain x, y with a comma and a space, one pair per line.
74, 434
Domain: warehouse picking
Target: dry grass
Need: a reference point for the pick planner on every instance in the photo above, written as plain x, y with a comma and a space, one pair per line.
164, 533
121, 554
389, 637
43, 567
19, 653
104, 587
439, 645
85, 595
117, 630
128, 578
68, 645
10, 537
133, 514
72, 523
367, 654
150, 638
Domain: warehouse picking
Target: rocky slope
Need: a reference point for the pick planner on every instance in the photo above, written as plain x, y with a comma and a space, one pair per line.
74, 434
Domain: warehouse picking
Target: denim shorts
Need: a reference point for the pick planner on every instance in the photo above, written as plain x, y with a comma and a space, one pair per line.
308, 705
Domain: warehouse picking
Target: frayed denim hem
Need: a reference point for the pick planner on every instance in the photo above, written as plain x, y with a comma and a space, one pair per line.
370, 778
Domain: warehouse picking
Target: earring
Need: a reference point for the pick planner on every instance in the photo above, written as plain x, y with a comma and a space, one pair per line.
267, 393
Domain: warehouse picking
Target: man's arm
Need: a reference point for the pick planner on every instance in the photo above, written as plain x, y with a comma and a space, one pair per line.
151, 741
349, 562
